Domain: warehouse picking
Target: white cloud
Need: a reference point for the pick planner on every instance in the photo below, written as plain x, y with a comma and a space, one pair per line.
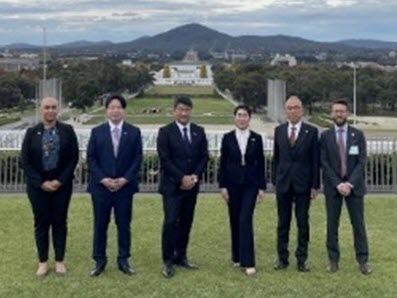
86, 19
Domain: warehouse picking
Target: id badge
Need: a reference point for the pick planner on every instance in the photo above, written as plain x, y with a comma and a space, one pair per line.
353, 150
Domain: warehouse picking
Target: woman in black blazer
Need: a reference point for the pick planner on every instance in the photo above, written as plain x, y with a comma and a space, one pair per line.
242, 183
49, 156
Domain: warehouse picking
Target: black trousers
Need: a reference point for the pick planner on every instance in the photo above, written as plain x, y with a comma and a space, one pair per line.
50, 211
285, 202
242, 201
178, 219
102, 207
355, 207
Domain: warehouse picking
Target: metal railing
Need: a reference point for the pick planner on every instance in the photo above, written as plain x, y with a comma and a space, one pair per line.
381, 170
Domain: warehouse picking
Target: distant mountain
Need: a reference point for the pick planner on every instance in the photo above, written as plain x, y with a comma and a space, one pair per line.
83, 44
182, 38
369, 44
69, 45
18, 46
202, 38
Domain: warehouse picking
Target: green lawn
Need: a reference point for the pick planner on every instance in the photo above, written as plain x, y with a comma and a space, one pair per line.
6, 119
210, 249
205, 111
181, 89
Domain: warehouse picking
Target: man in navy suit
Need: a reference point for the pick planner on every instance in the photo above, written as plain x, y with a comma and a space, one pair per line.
114, 157
343, 160
296, 179
183, 153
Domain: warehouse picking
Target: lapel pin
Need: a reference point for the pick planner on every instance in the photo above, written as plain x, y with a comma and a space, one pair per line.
39, 132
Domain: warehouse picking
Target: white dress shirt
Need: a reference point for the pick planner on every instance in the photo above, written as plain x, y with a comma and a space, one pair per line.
119, 126
181, 127
242, 136
297, 129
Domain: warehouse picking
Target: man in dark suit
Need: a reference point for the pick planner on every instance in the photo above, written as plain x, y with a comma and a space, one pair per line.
296, 179
183, 153
114, 157
343, 160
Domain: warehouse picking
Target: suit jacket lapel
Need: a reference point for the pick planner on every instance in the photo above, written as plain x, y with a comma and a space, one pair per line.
284, 135
301, 136
108, 138
334, 144
193, 134
235, 143
62, 137
38, 136
349, 141
123, 136
349, 138
250, 143
177, 132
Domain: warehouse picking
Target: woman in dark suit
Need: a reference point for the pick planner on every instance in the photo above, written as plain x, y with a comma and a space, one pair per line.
49, 156
242, 183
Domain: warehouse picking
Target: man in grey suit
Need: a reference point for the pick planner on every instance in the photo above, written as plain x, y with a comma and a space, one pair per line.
343, 160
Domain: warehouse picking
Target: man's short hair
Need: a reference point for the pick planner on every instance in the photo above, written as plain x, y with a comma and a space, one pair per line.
243, 107
118, 97
183, 99
340, 102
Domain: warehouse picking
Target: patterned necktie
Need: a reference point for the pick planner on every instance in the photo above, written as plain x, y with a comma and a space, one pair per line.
292, 137
115, 140
342, 153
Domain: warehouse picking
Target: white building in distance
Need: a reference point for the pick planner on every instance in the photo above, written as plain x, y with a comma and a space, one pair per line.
189, 71
284, 60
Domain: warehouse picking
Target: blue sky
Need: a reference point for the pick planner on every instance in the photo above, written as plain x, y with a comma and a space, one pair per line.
125, 20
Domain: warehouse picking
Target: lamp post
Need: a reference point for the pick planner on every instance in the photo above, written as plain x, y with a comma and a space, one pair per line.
355, 93
44, 61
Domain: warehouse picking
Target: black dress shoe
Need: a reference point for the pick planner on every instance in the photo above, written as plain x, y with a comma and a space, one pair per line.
365, 269
185, 264
303, 267
280, 266
168, 270
97, 270
127, 269
332, 267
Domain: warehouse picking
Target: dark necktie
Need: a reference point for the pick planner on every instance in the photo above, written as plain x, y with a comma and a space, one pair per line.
292, 137
342, 153
186, 141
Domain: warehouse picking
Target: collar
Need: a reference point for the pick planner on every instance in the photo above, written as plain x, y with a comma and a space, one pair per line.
344, 127
297, 125
242, 132
113, 126
181, 126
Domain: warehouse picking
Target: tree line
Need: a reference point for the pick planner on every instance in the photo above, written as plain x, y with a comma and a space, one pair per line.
314, 84
82, 82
